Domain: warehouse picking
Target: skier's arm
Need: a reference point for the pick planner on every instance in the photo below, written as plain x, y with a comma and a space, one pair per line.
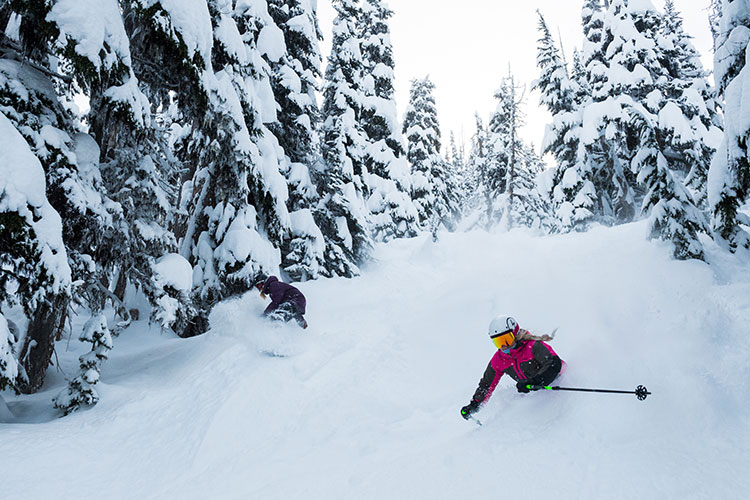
487, 384
276, 293
551, 364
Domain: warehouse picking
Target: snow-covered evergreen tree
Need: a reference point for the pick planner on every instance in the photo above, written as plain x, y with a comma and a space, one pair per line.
530, 207
343, 215
29, 93
653, 124
234, 201
593, 56
572, 193
714, 19
672, 211
135, 158
435, 203
693, 141
388, 180
504, 153
479, 197
631, 75
729, 176
34, 271
558, 95
294, 85
8, 361
460, 171
638, 103
80, 390
172, 282
512, 167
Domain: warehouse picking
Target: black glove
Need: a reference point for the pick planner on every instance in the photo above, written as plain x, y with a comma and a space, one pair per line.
468, 410
522, 385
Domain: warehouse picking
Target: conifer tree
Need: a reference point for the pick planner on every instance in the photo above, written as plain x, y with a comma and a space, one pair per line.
644, 124
238, 206
687, 89
573, 194
343, 215
512, 167
529, 207
294, 85
128, 147
34, 271
729, 176
477, 184
388, 180
459, 172
90, 219
8, 361
435, 203
233, 198
80, 390
673, 214
595, 39
504, 148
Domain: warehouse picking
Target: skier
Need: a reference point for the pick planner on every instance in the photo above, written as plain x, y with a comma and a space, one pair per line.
286, 301
526, 358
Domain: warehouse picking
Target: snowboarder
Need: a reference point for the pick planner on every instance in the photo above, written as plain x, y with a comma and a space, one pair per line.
287, 302
526, 358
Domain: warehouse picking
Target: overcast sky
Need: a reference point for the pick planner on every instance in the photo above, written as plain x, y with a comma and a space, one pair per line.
466, 50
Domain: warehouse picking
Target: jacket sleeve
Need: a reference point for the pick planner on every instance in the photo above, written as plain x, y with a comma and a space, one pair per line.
275, 289
550, 364
487, 384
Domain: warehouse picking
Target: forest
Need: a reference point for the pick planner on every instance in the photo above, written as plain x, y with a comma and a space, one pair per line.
218, 148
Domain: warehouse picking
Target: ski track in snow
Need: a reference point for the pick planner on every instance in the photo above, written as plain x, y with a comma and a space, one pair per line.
365, 403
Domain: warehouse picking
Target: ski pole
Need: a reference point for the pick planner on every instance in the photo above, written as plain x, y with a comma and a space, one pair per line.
640, 391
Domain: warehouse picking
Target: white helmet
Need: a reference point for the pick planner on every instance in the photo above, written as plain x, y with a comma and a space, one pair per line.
501, 325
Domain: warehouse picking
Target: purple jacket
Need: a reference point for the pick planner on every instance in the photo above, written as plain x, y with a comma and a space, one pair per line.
283, 293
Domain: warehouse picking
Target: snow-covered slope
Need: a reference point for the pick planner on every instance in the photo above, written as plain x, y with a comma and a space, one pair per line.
365, 403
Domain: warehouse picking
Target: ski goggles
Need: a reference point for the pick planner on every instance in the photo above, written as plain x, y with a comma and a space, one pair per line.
504, 341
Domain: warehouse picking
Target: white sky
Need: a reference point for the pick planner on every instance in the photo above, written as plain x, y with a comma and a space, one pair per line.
466, 50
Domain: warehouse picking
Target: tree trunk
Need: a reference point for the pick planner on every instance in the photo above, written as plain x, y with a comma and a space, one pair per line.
122, 285
36, 354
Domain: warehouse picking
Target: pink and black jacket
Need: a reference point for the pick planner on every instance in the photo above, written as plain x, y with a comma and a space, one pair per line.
533, 360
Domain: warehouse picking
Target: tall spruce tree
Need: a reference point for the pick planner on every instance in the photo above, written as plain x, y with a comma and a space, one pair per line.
573, 193
694, 144
34, 271
435, 203
90, 218
593, 53
530, 207
476, 183
459, 173
504, 150
388, 180
512, 167
729, 176
294, 85
642, 126
126, 144
343, 215
233, 201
